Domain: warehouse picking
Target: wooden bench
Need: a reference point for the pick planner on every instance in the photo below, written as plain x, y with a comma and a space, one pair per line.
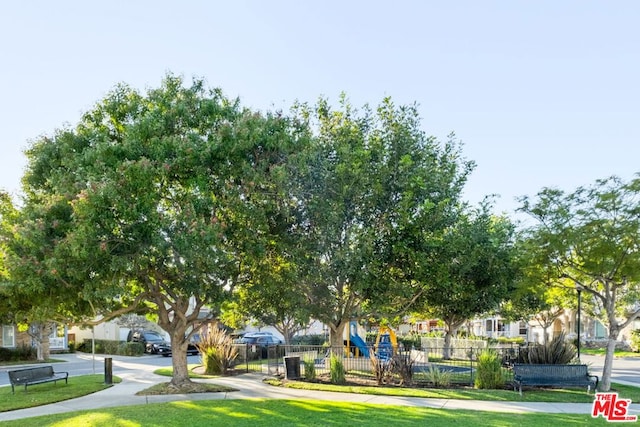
553, 376
37, 375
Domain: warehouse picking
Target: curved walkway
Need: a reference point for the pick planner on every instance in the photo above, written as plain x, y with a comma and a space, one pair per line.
250, 386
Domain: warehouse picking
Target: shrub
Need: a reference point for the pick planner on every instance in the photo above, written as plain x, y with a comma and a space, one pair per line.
381, 369
635, 340
20, 353
102, 346
337, 373
317, 339
402, 365
411, 341
218, 352
511, 340
309, 369
489, 371
556, 352
438, 377
131, 349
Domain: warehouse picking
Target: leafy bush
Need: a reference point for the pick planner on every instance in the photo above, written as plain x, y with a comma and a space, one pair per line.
489, 371
556, 352
337, 373
438, 377
511, 340
20, 353
131, 349
635, 340
218, 352
411, 341
102, 346
317, 339
309, 369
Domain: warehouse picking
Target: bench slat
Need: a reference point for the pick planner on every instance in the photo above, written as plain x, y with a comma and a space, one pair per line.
553, 375
36, 375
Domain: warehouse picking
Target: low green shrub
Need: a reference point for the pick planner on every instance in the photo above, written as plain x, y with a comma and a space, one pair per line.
316, 339
217, 350
635, 340
131, 349
112, 347
556, 352
309, 369
511, 340
489, 371
337, 372
22, 352
438, 377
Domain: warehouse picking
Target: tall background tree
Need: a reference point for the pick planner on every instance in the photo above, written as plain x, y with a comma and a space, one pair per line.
591, 238
470, 271
369, 175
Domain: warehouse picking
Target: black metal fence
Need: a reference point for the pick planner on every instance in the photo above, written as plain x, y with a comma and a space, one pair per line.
427, 364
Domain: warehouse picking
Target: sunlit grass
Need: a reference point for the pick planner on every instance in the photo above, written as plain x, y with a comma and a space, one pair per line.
43, 394
252, 413
602, 352
531, 395
168, 371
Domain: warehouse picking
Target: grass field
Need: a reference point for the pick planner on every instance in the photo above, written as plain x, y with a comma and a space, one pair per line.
42, 394
280, 413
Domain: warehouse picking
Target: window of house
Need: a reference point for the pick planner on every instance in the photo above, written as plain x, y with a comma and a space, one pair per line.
8, 336
522, 328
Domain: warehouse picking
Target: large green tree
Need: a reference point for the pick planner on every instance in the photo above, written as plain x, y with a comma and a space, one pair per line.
468, 272
162, 203
369, 176
591, 237
535, 298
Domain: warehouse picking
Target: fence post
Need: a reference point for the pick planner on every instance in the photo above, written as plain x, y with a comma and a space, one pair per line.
471, 369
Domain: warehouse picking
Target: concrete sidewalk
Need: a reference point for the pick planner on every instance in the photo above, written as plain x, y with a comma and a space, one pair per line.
250, 386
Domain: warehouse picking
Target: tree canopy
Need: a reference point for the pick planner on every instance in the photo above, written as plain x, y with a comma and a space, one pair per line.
590, 238
153, 200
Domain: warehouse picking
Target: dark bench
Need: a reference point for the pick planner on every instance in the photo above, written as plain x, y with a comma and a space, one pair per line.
553, 376
37, 375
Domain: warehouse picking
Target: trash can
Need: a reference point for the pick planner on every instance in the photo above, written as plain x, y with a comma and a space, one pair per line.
292, 367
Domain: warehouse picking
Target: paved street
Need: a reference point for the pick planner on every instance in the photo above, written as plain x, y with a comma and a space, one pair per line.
84, 364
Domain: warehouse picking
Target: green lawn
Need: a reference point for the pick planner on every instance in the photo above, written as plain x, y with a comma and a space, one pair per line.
280, 413
168, 371
43, 394
602, 351
532, 395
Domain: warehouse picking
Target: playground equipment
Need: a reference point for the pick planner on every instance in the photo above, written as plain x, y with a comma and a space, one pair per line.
386, 342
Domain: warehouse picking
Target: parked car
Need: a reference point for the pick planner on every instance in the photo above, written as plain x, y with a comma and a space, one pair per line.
153, 342
260, 342
192, 349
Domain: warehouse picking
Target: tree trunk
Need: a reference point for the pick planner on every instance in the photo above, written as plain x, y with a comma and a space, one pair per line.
179, 358
605, 381
336, 337
40, 333
450, 329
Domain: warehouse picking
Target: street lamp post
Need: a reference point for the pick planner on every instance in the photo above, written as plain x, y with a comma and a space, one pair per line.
579, 290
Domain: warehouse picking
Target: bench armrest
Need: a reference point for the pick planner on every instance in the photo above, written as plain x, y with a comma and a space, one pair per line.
594, 377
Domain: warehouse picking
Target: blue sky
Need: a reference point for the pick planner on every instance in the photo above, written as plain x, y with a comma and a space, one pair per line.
541, 93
